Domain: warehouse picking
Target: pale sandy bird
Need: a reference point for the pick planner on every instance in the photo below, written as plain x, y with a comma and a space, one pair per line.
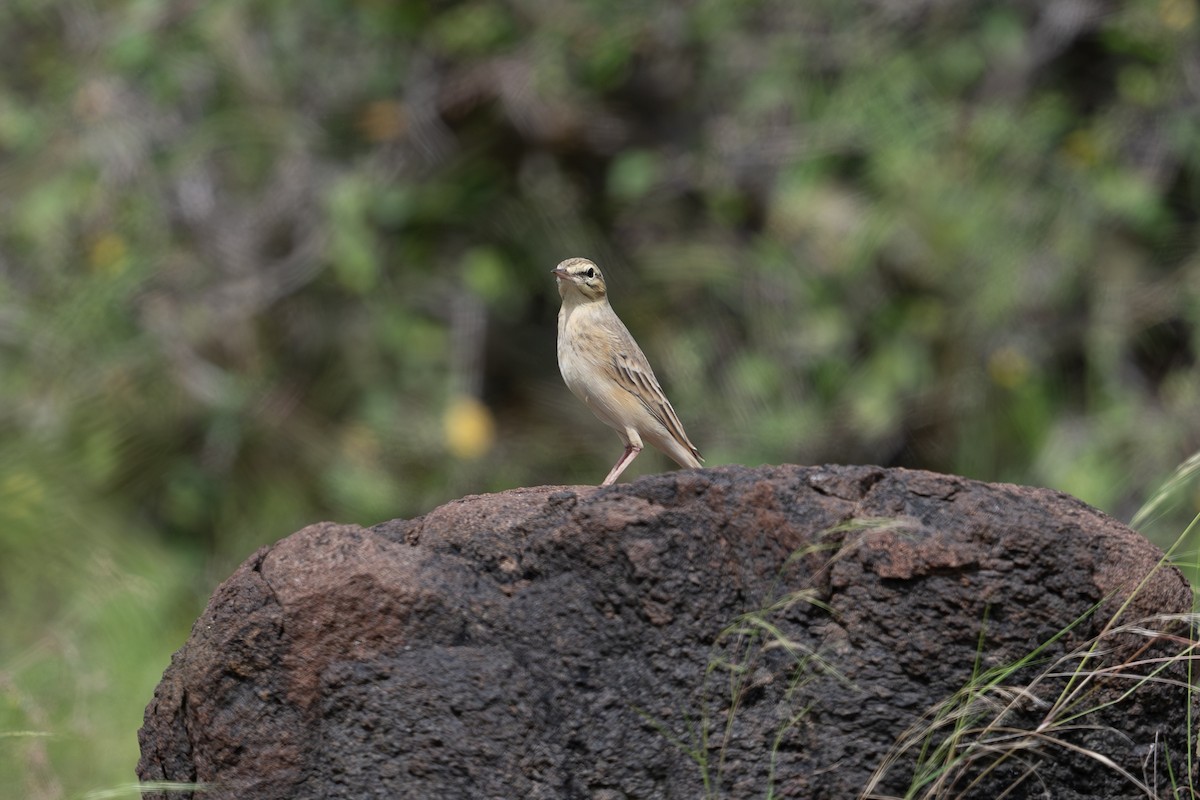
604, 367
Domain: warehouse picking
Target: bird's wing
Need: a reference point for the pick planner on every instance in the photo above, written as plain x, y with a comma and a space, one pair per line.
632, 372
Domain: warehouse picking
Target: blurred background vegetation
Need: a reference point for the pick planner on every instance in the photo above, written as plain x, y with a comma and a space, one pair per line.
265, 263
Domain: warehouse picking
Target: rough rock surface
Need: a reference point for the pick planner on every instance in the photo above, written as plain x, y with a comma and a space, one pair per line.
717, 633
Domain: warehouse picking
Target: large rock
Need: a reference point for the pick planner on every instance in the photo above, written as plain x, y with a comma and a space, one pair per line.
721, 633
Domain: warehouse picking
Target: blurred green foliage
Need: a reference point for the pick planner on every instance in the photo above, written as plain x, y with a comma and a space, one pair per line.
263, 264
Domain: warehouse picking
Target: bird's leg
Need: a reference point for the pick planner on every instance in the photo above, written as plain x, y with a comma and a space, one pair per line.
631, 451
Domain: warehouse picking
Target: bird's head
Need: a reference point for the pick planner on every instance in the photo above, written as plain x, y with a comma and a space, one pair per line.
578, 276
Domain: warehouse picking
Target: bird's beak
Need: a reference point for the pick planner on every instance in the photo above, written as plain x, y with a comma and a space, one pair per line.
560, 273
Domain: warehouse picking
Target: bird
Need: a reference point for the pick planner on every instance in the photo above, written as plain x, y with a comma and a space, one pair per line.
603, 366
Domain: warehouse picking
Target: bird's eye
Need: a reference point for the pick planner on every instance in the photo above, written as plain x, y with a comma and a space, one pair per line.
591, 273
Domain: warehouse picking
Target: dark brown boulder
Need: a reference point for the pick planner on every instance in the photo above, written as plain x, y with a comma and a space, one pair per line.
724, 633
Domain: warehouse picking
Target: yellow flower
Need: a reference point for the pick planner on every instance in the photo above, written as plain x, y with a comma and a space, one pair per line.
468, 427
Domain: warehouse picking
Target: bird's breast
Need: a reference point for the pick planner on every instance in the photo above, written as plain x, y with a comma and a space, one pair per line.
573, 362
581, 355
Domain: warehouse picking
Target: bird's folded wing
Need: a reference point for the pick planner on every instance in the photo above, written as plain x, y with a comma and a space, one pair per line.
635, 376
